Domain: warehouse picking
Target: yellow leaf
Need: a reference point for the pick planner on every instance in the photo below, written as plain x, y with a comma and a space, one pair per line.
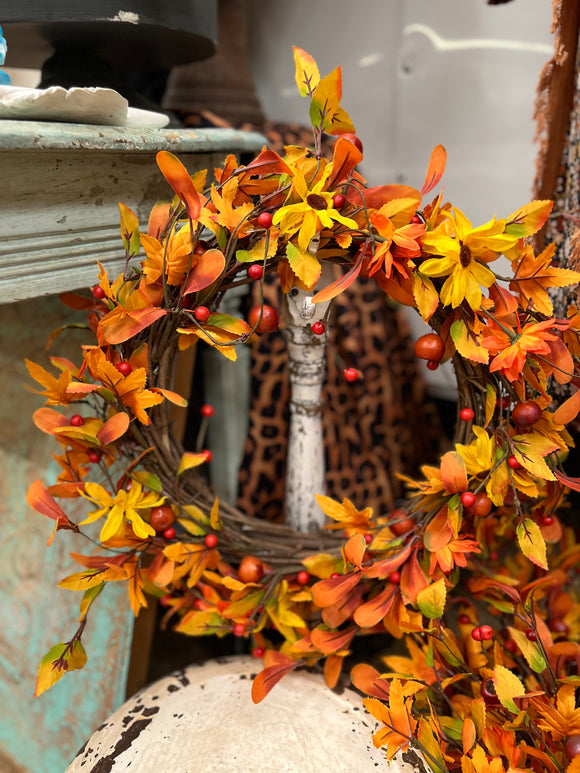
129, 230
490, 402
532, 542
528, 219
529, 649
214, 516
304, 265
467, 344
307, 75
507, 686
82, 580
189, 460
258, 250
425, 295
431, 600
60, 659
322, 565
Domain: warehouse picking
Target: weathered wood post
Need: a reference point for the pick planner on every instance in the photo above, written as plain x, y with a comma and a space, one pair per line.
307, 362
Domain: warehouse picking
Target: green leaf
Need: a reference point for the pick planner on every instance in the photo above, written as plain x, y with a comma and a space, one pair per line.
58, 660
149, 480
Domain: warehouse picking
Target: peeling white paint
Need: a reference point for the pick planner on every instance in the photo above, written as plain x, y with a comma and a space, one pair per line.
466, 43
126, 16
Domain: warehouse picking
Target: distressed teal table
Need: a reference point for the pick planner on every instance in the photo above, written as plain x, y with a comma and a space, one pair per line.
59, 189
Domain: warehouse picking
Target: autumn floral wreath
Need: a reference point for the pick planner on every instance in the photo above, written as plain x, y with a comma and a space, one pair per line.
478, 573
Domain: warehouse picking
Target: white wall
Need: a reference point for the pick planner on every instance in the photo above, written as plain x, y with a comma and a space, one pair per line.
417, 73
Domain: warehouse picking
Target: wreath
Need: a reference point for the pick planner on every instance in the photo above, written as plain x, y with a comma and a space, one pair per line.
478, 572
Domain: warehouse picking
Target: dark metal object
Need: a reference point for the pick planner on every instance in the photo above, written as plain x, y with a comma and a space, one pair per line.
134, 35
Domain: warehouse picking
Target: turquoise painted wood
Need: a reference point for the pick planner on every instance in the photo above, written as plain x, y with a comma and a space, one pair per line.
42, 735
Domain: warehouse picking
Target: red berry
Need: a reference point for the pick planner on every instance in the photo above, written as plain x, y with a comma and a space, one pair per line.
239, 629
494, 555
98, 292
476, 634
339, 200
486, 632
318, 328
527, 413
432, 364
531, 635
208, 455
211, 540
265, 220
124, 367
255, 271
368, 538
503, 402
352, 138
466, 414
258, 652
94, 457
468, 499
482, 505
77, 420
269, 321
395, 578
199, 604
161, 517
401, 524
430, 347
510, 645
417, 218
464, 619
547, 520
335, 576
201, 314
302, 578
165, 601
207, 410
169, 533
350, 374
513, 463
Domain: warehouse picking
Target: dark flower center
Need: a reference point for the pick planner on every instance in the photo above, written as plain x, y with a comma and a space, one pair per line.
316, 202
464, 255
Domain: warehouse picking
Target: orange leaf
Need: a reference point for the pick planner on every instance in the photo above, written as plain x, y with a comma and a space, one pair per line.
368, 680
129, 325
332, 641
345, 157
327, 592
435, 169
268, 162
505, 303
468, 734
354, 550
568, 411
373, 611
158, 218
384, 567
40, 500
48, 420
207, 269
113, 429
375, 197
453, 472
341, 284
573, 483
413, 580
332, 669
269, 678
178, 178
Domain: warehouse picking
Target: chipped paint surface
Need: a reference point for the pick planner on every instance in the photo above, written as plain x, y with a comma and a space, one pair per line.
126, 16
203, 719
